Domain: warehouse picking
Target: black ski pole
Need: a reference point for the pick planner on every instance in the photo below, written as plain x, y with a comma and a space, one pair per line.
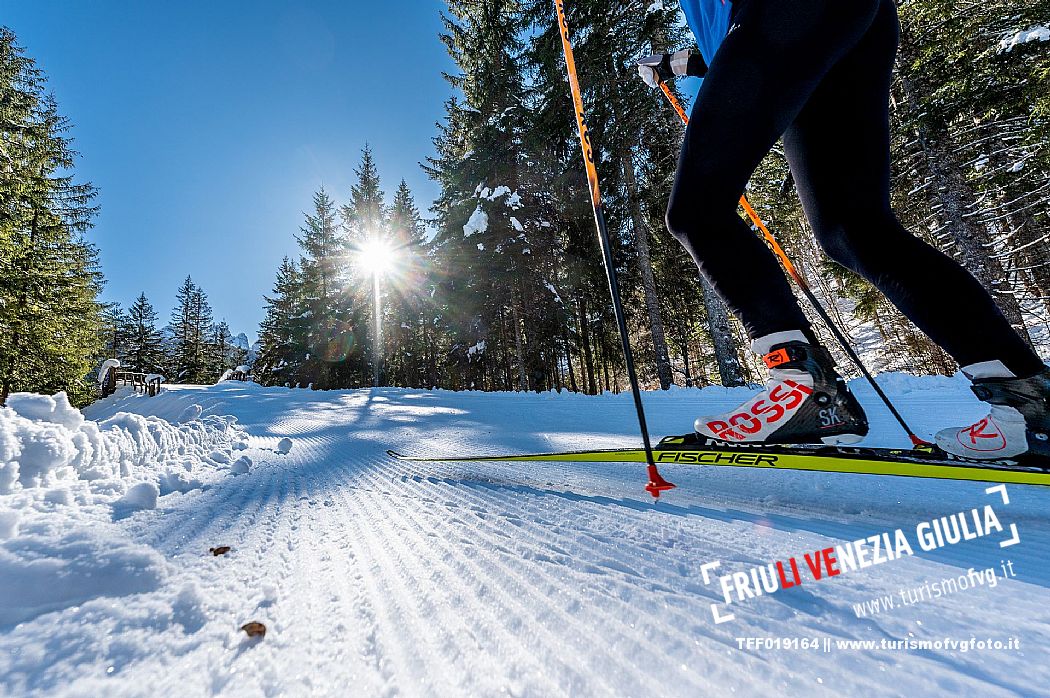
808, 292
657, 483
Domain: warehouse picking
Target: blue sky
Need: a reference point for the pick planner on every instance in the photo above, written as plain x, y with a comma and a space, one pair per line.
207, 126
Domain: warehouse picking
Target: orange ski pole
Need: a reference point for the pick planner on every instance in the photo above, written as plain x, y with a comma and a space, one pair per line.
806, 290
656, 482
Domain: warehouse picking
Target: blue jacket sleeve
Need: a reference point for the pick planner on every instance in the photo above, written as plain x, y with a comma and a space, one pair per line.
709, 22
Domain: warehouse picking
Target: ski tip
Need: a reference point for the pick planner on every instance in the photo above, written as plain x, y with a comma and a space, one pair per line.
394, 454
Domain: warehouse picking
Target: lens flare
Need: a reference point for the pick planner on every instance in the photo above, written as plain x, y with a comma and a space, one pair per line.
376, 256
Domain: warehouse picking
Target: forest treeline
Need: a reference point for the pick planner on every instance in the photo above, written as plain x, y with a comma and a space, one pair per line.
507, 291
498, 284
191, 348
54, 330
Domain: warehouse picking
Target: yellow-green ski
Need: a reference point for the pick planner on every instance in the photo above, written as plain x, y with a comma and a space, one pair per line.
826, 459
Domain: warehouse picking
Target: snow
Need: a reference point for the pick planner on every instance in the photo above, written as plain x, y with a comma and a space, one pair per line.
141, 496
65, 484
1035, 33
554, 292
464, 579
9, 524
478, 223
190, 414
150, 377
517, 224
103, 370
513, 198
47, 409
241, 466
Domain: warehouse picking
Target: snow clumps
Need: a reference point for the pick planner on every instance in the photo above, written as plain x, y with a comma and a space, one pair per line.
45, 442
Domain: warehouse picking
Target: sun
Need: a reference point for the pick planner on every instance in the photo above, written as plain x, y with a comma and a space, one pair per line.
376, 256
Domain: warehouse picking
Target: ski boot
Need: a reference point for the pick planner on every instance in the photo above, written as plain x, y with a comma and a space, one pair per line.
1018, 423
804, 402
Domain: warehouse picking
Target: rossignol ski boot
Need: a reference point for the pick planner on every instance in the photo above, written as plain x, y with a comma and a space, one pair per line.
804, 402
1018, 423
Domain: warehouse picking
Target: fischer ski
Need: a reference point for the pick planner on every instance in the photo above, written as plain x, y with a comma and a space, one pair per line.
922, 462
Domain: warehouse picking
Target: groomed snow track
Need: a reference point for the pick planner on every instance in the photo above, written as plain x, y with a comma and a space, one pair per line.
384, 578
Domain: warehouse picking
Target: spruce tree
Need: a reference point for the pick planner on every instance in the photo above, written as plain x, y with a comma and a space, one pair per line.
282, 334
365, 223
49, 276
364, 217
407, 337
495, 248
191, 325
223, 354
144, 352
112, 333
332, 334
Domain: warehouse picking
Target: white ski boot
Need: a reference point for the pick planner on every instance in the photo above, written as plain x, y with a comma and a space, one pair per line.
1017, 424
804, 402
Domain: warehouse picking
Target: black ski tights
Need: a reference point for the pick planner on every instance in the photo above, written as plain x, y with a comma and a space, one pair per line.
817, 72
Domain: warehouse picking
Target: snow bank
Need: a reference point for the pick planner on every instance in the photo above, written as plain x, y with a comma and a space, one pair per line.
64, 480
45, 442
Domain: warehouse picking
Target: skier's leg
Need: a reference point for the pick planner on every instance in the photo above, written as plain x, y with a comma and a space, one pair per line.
838, 148
770, 63
772, 60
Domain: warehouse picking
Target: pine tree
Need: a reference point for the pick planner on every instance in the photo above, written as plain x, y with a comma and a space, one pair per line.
364, 217
495, 247
221, 352
144, 351
334, 331
365, 223
111, 333
282, 348
407, 337
49, 277
191, 324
